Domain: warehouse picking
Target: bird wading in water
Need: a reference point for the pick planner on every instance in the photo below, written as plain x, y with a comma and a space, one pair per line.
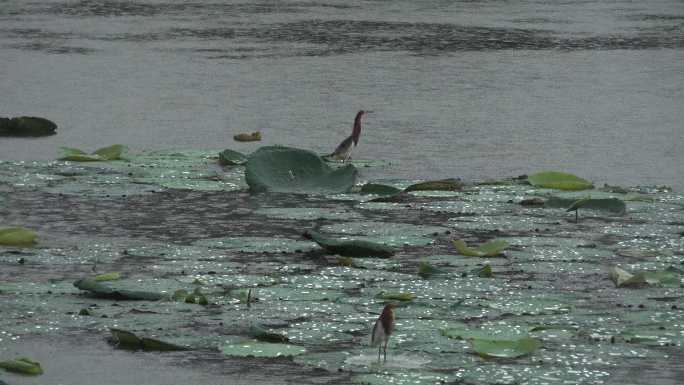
344, 150
382, 330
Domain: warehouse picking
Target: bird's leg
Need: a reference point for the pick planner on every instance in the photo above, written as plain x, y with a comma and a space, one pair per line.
379, 350
385, 349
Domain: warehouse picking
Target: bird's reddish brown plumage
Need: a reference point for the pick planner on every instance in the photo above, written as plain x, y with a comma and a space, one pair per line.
387, 319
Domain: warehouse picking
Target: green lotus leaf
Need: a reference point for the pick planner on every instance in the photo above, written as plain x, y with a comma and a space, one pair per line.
231, 158
488, 249
101, 290
292, 170
23, 366
559, 181
425, 270
351, 248
253, 348
261, 334
490, 348
379, 189
128, 340
664, 278
437, 185
483, 272
17, 236
113, 276
103, 154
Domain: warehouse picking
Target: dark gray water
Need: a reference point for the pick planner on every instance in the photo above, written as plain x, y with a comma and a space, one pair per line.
472, 89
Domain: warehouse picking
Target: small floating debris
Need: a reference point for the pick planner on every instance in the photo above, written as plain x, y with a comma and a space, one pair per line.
248, 137
27, 126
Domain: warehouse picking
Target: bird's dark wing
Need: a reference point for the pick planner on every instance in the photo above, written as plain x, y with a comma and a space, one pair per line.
342, 149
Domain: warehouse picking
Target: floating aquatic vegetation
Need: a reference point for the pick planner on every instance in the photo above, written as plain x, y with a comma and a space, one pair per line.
231, 158
128, 340
248, 137
104, 154
611, 205
285, 169
254, 348
488, 249
101, 290
425, 270
559, 181
379, 189
307, 213
667, 278
113, 276
17, 236
351, 248
22, 365
437, 185
395, 296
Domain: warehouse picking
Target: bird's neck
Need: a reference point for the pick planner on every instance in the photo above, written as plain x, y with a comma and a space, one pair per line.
356, 132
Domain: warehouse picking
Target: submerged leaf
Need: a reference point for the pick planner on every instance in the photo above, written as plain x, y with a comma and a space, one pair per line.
23, 366
285, 169
17, 236
559, 181
488, 249
352, 248
490, 348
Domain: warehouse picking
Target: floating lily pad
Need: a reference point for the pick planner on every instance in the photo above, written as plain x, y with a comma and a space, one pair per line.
666, 278
425, 270
437, 185
231, 158
284, 169
23, 366
488, 249
27, 126
612, 205
353, 248
103, 154
101, 290
253, 348
395, 296
113, 276
17, 236
129, 340
379, 189
559, 181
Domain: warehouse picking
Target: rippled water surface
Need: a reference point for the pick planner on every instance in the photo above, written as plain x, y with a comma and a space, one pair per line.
472, 89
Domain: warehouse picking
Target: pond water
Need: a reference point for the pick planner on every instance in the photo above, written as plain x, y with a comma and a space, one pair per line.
471, 89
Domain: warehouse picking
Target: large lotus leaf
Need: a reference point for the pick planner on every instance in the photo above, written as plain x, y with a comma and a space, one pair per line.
23, 366
437, 185
17, 236
665, 278
558, 180
285, 169
505, 348
101, 290
353, 248
103, 154
253, 348
488, 249
229, 157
